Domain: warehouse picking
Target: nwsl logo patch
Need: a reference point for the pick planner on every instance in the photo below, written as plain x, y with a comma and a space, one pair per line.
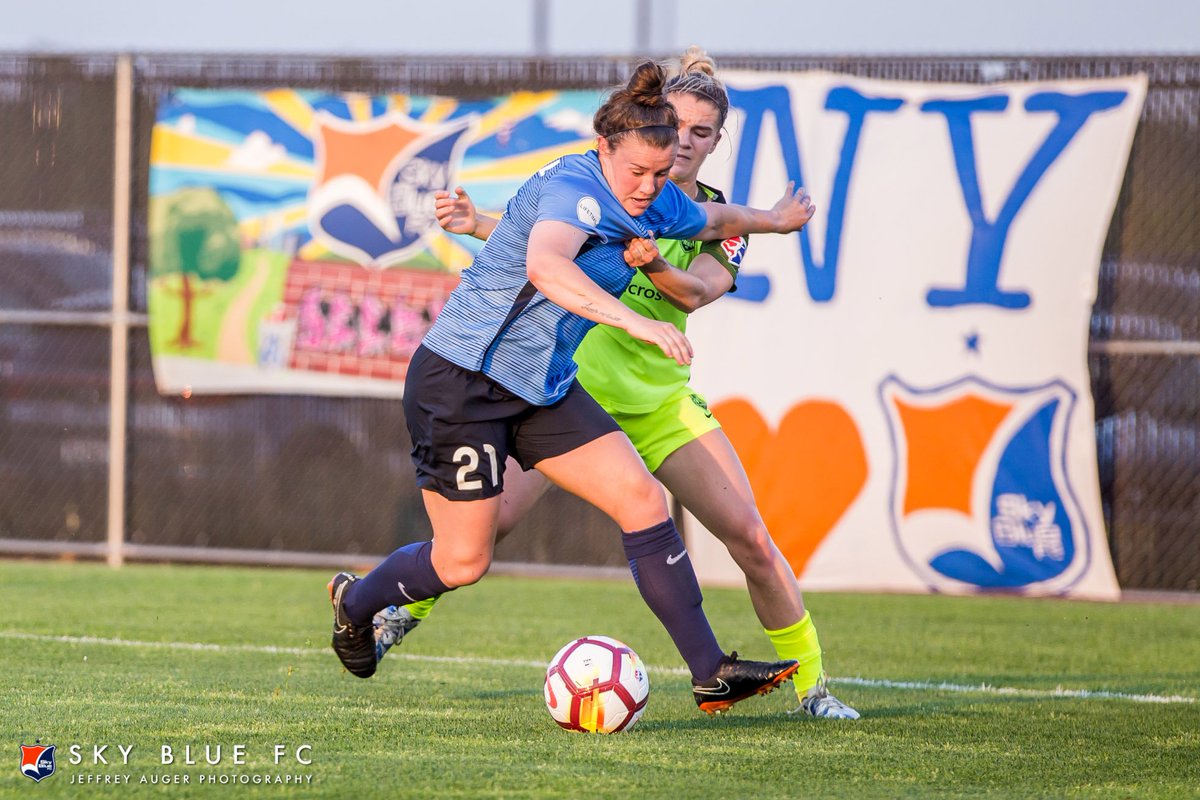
37, 761
980, 497
372, 200
735, 249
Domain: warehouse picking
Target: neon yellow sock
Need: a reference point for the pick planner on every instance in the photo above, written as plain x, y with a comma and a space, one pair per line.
421, 608
799, 641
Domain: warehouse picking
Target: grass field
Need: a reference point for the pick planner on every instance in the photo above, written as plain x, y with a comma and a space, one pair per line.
170, 655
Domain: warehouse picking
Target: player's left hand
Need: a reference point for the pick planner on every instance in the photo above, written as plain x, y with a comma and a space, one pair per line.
793, 210
670, 340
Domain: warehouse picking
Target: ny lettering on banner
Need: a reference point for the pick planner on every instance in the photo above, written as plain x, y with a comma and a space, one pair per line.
982, 266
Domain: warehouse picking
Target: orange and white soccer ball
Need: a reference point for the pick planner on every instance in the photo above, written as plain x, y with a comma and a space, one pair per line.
596, 685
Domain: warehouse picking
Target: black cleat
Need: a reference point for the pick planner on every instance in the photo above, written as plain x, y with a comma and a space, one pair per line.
354, 645
735, 680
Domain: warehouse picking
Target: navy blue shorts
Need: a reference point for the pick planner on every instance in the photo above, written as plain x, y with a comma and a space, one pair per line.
464, 426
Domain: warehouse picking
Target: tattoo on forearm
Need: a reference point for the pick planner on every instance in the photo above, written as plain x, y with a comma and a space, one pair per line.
588, 305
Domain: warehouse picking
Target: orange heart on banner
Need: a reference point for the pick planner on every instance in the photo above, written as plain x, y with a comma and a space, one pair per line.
804, 476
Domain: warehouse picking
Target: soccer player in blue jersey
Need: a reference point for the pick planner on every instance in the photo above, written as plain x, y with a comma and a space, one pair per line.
495, 377
650, 397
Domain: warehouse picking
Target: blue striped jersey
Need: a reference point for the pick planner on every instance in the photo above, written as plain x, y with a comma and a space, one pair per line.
496, 322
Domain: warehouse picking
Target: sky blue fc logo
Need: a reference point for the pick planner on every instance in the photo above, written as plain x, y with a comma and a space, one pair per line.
980, 496
37, 761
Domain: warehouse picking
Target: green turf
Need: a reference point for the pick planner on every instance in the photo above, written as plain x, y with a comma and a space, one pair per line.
424, 728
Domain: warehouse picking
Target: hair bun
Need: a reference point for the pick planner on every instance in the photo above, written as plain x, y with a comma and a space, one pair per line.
695, 59
640, 108
645, 86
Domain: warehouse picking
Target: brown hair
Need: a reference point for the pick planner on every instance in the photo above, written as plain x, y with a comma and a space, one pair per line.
696, 78
640, 108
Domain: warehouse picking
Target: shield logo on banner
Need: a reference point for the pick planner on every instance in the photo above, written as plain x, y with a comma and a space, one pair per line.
37, 761
980, 496
372, 199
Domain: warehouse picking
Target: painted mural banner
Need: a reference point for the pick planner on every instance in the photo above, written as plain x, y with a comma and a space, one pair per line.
293, 244
906, 379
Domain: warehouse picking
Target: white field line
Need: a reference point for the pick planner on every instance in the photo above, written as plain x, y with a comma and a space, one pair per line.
987, 688
877, 683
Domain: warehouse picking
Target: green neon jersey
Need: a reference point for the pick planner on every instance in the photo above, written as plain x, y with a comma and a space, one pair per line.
629, 376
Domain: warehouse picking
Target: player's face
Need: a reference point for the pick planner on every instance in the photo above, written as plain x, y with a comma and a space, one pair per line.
636, 171
699, 132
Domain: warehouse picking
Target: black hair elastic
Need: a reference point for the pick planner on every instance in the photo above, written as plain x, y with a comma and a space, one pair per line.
638, 128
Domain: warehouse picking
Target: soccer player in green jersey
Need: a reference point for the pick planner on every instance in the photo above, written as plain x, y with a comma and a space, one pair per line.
649, 397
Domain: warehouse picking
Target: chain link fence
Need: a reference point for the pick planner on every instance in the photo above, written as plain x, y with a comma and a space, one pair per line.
56, 222
243, 477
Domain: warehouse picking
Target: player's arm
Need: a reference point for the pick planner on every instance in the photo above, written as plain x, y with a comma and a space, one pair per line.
458, 214
789, 214
551, 268
704, 281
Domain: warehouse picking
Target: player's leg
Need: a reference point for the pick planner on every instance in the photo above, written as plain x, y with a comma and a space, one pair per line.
603, 468
459, 433
522, 490
706, 476
607, 473
459, 555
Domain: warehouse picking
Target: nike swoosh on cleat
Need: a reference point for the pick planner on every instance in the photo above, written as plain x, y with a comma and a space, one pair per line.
675, 559
720, 689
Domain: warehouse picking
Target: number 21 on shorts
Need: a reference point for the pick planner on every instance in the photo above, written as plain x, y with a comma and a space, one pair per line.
468, 457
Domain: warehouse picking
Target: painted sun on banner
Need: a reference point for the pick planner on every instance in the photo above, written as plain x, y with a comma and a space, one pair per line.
293, 242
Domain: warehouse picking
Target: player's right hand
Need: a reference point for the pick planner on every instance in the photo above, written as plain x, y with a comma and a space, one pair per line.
641, 252
455, 214
668, 338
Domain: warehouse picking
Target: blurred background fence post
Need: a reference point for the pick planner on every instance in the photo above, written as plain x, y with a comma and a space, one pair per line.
119, 403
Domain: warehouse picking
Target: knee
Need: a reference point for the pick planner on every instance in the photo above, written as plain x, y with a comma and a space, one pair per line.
752, 548
642, 503
644, 490
463, 571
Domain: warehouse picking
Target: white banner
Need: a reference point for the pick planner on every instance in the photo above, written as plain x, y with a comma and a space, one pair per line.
906, 379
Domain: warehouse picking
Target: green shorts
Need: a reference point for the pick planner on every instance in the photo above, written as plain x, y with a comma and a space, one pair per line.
682, 417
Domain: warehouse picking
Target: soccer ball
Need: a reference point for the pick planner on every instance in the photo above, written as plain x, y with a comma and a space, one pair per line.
596, 685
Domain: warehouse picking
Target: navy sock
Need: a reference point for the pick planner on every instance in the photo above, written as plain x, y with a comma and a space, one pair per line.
406, 576
663, 573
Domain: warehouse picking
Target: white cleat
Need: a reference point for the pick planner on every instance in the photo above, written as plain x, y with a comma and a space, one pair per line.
391, 625
820, 703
